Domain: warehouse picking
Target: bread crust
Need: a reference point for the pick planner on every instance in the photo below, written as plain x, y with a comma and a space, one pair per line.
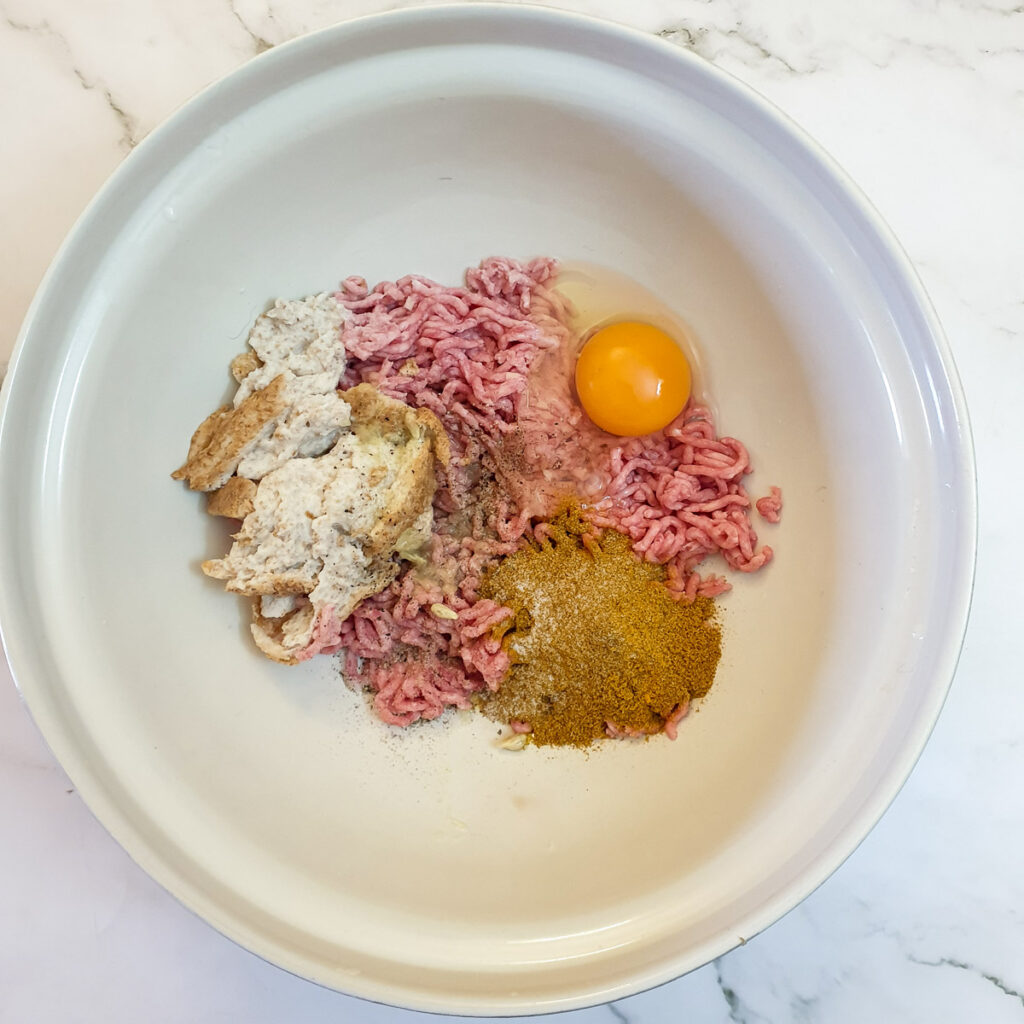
233, 499
222, 439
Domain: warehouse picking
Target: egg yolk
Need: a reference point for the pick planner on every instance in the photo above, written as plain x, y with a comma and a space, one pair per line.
632, 379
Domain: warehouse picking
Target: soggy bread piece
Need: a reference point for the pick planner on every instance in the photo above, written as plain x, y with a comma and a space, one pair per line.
266, 430
325, 531
378, 418
223, 439
235, 499
300, 338
244, 364
286, 404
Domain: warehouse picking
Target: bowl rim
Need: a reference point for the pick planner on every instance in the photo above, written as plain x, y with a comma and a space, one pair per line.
23, 661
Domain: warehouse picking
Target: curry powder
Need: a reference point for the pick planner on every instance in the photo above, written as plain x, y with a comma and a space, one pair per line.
596, 638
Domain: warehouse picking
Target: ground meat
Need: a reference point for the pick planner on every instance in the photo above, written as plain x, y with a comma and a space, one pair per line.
678, 495
770, 506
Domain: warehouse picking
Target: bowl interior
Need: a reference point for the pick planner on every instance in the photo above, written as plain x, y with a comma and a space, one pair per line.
429, 867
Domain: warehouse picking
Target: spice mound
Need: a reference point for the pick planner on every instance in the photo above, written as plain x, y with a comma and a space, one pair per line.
598, 645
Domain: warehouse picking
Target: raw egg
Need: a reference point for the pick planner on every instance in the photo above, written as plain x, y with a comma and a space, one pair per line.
632, 379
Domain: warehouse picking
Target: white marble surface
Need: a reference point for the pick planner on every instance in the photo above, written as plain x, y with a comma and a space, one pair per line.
923, 102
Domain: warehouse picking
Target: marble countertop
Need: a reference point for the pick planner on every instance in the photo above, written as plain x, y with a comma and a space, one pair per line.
922, 102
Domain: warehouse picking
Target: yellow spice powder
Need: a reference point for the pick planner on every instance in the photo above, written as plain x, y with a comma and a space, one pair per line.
596, 638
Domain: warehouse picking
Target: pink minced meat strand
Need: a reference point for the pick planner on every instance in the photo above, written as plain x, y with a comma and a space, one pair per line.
492, 359
673, 720
678, 495
670, 727
770, 507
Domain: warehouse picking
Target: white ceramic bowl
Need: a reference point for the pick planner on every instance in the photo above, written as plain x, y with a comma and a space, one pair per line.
430, 869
